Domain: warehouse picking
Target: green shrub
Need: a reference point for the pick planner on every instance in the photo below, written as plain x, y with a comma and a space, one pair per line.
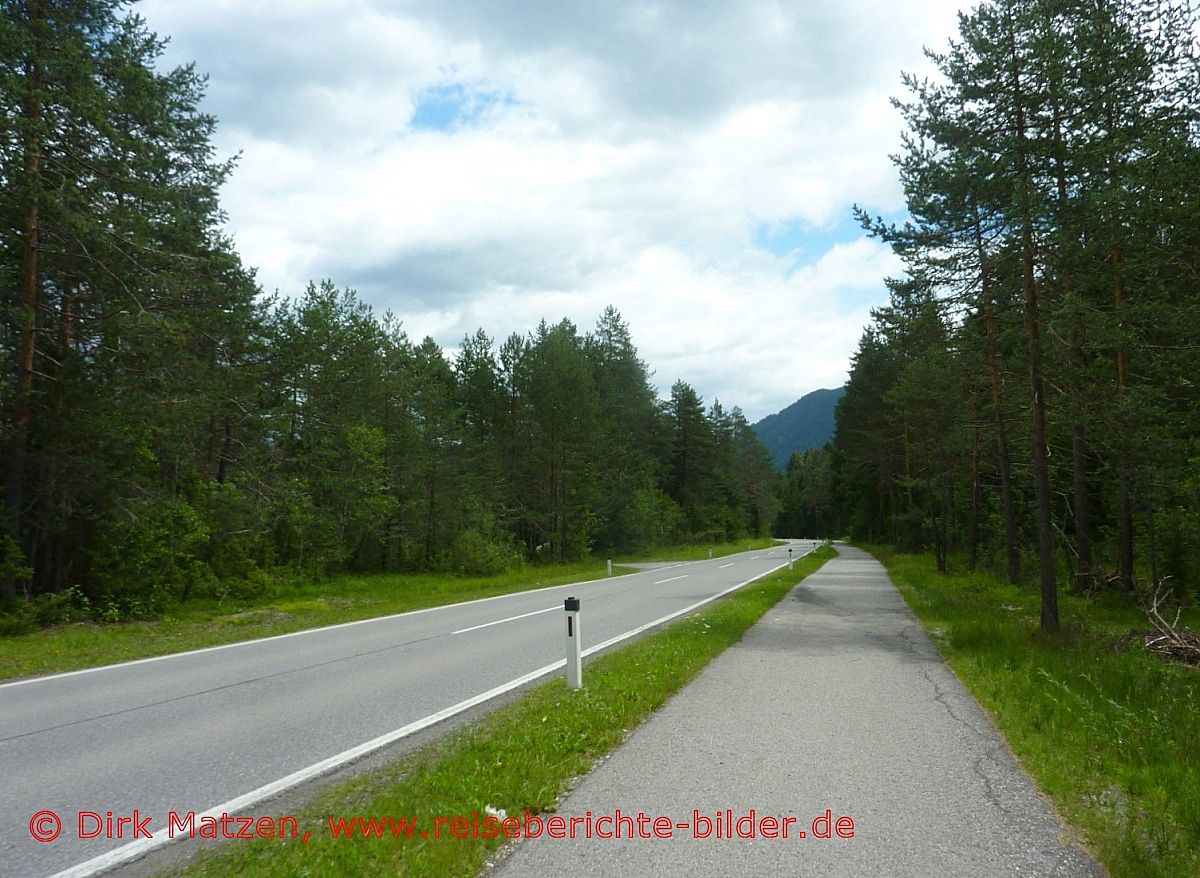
475, 554
44, 610
148, 556
649, 518
13, 563
19, 618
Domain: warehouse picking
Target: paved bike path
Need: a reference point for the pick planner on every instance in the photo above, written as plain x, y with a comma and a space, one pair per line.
837, 700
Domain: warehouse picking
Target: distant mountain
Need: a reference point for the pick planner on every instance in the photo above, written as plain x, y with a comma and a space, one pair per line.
806, 423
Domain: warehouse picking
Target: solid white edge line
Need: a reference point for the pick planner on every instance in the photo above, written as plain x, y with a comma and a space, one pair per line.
135, 849
677, 613
204, 649
502, 621
172, 655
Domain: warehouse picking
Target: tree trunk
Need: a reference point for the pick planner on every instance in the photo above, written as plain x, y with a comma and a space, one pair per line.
949, 507
973, 521
1125, 505
1083, 539
936, 515
1011, 551
1125, 535
14, 491
430, 519
1083, 535
912, 541
560, 504
1153, 551
1037, 399
1041, 457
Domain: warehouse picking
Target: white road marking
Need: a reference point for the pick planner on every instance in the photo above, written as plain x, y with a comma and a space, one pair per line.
730, 564
439, 608
140, 848
502, 621
302, 633
672, 579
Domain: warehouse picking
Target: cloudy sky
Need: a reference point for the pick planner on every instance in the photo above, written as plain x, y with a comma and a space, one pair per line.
477, 163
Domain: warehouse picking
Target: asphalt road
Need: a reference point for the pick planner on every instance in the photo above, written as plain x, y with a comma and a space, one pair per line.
836, 700
221, 729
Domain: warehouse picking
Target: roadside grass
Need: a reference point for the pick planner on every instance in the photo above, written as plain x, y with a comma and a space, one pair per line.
203, 622
523, 756
697, 552
208, 622
1110, 731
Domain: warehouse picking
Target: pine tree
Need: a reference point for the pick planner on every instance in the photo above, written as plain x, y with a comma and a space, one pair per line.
110, 231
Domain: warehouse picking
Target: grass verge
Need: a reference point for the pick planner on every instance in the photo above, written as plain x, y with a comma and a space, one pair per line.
201, 623
1109, 731
522, 756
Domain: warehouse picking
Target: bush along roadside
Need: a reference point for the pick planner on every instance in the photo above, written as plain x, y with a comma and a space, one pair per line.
1110, 731
522, 757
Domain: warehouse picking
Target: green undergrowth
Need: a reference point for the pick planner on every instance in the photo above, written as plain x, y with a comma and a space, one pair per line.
1110, 731
205, 622
698, 552
523, 756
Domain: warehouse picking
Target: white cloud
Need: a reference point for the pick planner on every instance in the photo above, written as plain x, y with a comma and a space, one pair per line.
636, 148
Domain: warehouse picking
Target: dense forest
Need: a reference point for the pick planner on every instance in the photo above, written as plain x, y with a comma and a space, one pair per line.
167, 430
1028, 399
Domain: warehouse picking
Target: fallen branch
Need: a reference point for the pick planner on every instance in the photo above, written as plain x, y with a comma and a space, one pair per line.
1168, 638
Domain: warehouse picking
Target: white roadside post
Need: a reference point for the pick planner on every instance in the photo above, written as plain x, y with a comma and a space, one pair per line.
610, 566
789, 558
574, 649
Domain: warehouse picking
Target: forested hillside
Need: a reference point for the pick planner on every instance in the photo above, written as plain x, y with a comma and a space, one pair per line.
1030, 392
168, 431
805, 424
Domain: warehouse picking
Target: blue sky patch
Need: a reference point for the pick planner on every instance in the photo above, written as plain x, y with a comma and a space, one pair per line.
805, 242
446, 107
802, 240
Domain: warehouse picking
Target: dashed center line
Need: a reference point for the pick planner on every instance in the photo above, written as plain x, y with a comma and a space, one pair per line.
502, 621
730, 564
672, 579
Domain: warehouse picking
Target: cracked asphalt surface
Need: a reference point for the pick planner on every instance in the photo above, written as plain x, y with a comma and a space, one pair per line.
837, 700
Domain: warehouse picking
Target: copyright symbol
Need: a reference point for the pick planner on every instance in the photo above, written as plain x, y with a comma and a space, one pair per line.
45, 826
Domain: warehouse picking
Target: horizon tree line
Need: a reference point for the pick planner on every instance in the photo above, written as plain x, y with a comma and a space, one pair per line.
167, 431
